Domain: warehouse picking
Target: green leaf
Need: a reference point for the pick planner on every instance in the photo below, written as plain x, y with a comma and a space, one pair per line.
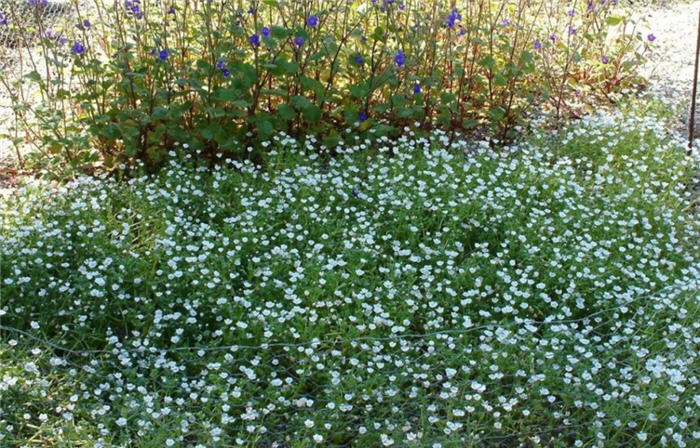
265, 129
614, 20
160, 113
286, 112
279, 32
500, 80
225, 94
312, 113
378, 33
488, 62
497, 113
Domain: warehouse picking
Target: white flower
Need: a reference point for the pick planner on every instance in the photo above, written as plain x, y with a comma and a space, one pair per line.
318, 438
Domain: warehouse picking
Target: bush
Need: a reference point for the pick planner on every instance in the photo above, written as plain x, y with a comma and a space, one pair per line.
136, 77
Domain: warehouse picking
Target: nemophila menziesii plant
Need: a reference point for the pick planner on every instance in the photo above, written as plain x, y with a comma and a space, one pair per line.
447, 295
224, 76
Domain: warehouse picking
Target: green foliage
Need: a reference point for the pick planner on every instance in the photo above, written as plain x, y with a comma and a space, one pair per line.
226, 76
545, 296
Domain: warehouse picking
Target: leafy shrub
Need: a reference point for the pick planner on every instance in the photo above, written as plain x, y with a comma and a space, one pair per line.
135, 77
540, 297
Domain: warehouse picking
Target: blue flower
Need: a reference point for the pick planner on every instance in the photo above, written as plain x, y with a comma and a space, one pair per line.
84, 25
133, 8
77, 48
265, 31
400, 58
171, 11
163, 54
299, 41
552, 37
226, 73
362, 117
355, 192
604, 60
312, 21
651, 37
416, 89
3, 19
221, 64
359, 60
538, 45
453, 17
254, 40
591, 7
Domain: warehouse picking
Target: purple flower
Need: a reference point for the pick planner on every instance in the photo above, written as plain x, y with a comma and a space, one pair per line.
226, 73
416, 89
355, 192
251, 10
453, 17
254, 40
359, 60
538, 45
400, 58
651, 37
132, 8
572, 30
299, 41
402, 6
506, 22
462, 31
604, 60
362, 117
84, 25
590, 6
3, 19
312, 21
221, 64
153, 51
163, 54
363, 38
552, 37
171, 11
265, 31
77, 48
571, 13
62, 40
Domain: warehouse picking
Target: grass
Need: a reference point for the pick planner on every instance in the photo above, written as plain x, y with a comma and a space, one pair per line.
415, 292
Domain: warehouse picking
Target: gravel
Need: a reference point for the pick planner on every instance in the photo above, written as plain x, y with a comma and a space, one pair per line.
670, 68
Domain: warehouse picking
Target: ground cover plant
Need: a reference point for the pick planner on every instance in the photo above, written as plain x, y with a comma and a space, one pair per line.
411, 293
125, 80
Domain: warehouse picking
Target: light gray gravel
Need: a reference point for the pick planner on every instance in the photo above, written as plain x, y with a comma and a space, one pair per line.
670, 68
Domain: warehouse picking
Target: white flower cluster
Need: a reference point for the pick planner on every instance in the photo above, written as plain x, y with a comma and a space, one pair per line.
418, 293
